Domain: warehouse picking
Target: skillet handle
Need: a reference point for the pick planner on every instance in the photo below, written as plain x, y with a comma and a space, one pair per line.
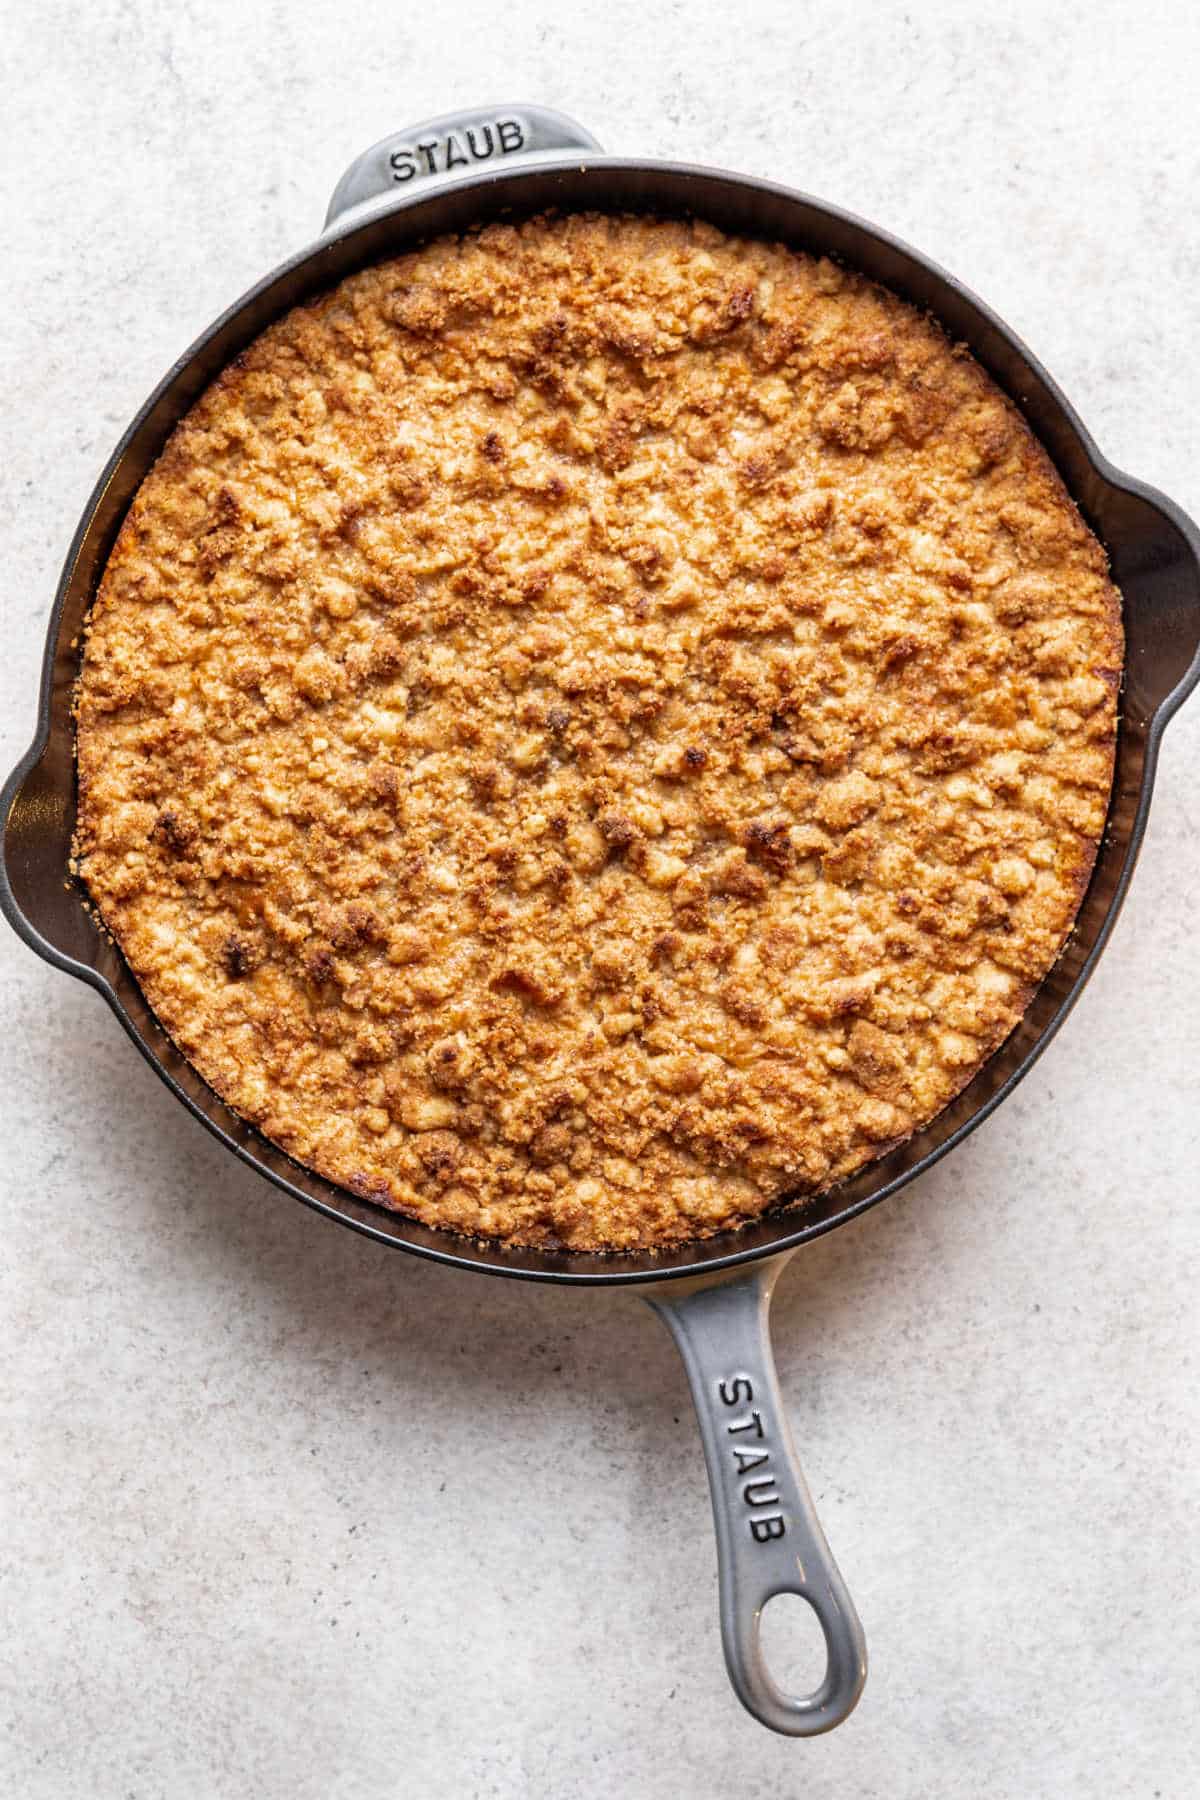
769, 1539
473, 141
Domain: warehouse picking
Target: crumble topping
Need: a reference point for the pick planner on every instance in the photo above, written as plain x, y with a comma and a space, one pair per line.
595, 726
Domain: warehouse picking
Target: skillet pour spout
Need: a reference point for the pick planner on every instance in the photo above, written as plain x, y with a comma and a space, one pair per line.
450, 174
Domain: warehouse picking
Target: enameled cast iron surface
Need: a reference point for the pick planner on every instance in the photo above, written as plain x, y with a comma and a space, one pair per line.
1154, 551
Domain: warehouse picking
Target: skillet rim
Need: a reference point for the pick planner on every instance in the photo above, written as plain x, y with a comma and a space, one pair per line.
747, 1245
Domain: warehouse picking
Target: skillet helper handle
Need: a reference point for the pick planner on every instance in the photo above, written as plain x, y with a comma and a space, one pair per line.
439, 151
769, 1539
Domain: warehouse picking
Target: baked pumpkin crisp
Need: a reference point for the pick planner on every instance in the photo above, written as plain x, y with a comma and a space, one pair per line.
596, 726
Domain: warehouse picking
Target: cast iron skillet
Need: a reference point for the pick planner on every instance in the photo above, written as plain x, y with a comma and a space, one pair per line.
444, 176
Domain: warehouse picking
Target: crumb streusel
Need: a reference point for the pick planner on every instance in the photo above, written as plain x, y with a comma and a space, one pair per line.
594, 725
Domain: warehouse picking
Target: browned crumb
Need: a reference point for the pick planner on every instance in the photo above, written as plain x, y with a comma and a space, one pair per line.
594, 726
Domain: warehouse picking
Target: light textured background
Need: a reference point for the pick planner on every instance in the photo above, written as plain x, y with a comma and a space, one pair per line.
287, 1515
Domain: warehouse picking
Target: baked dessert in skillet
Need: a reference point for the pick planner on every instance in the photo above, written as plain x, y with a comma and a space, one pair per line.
594, 727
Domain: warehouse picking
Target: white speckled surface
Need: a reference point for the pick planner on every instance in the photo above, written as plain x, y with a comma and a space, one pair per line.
285, 1515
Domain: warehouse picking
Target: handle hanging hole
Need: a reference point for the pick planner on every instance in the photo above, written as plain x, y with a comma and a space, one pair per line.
793, 1643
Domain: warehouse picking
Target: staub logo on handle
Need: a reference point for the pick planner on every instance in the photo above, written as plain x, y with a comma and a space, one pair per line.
457, 149
752, 1452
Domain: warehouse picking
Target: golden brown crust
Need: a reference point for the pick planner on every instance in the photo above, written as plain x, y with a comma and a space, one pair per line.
595, 725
